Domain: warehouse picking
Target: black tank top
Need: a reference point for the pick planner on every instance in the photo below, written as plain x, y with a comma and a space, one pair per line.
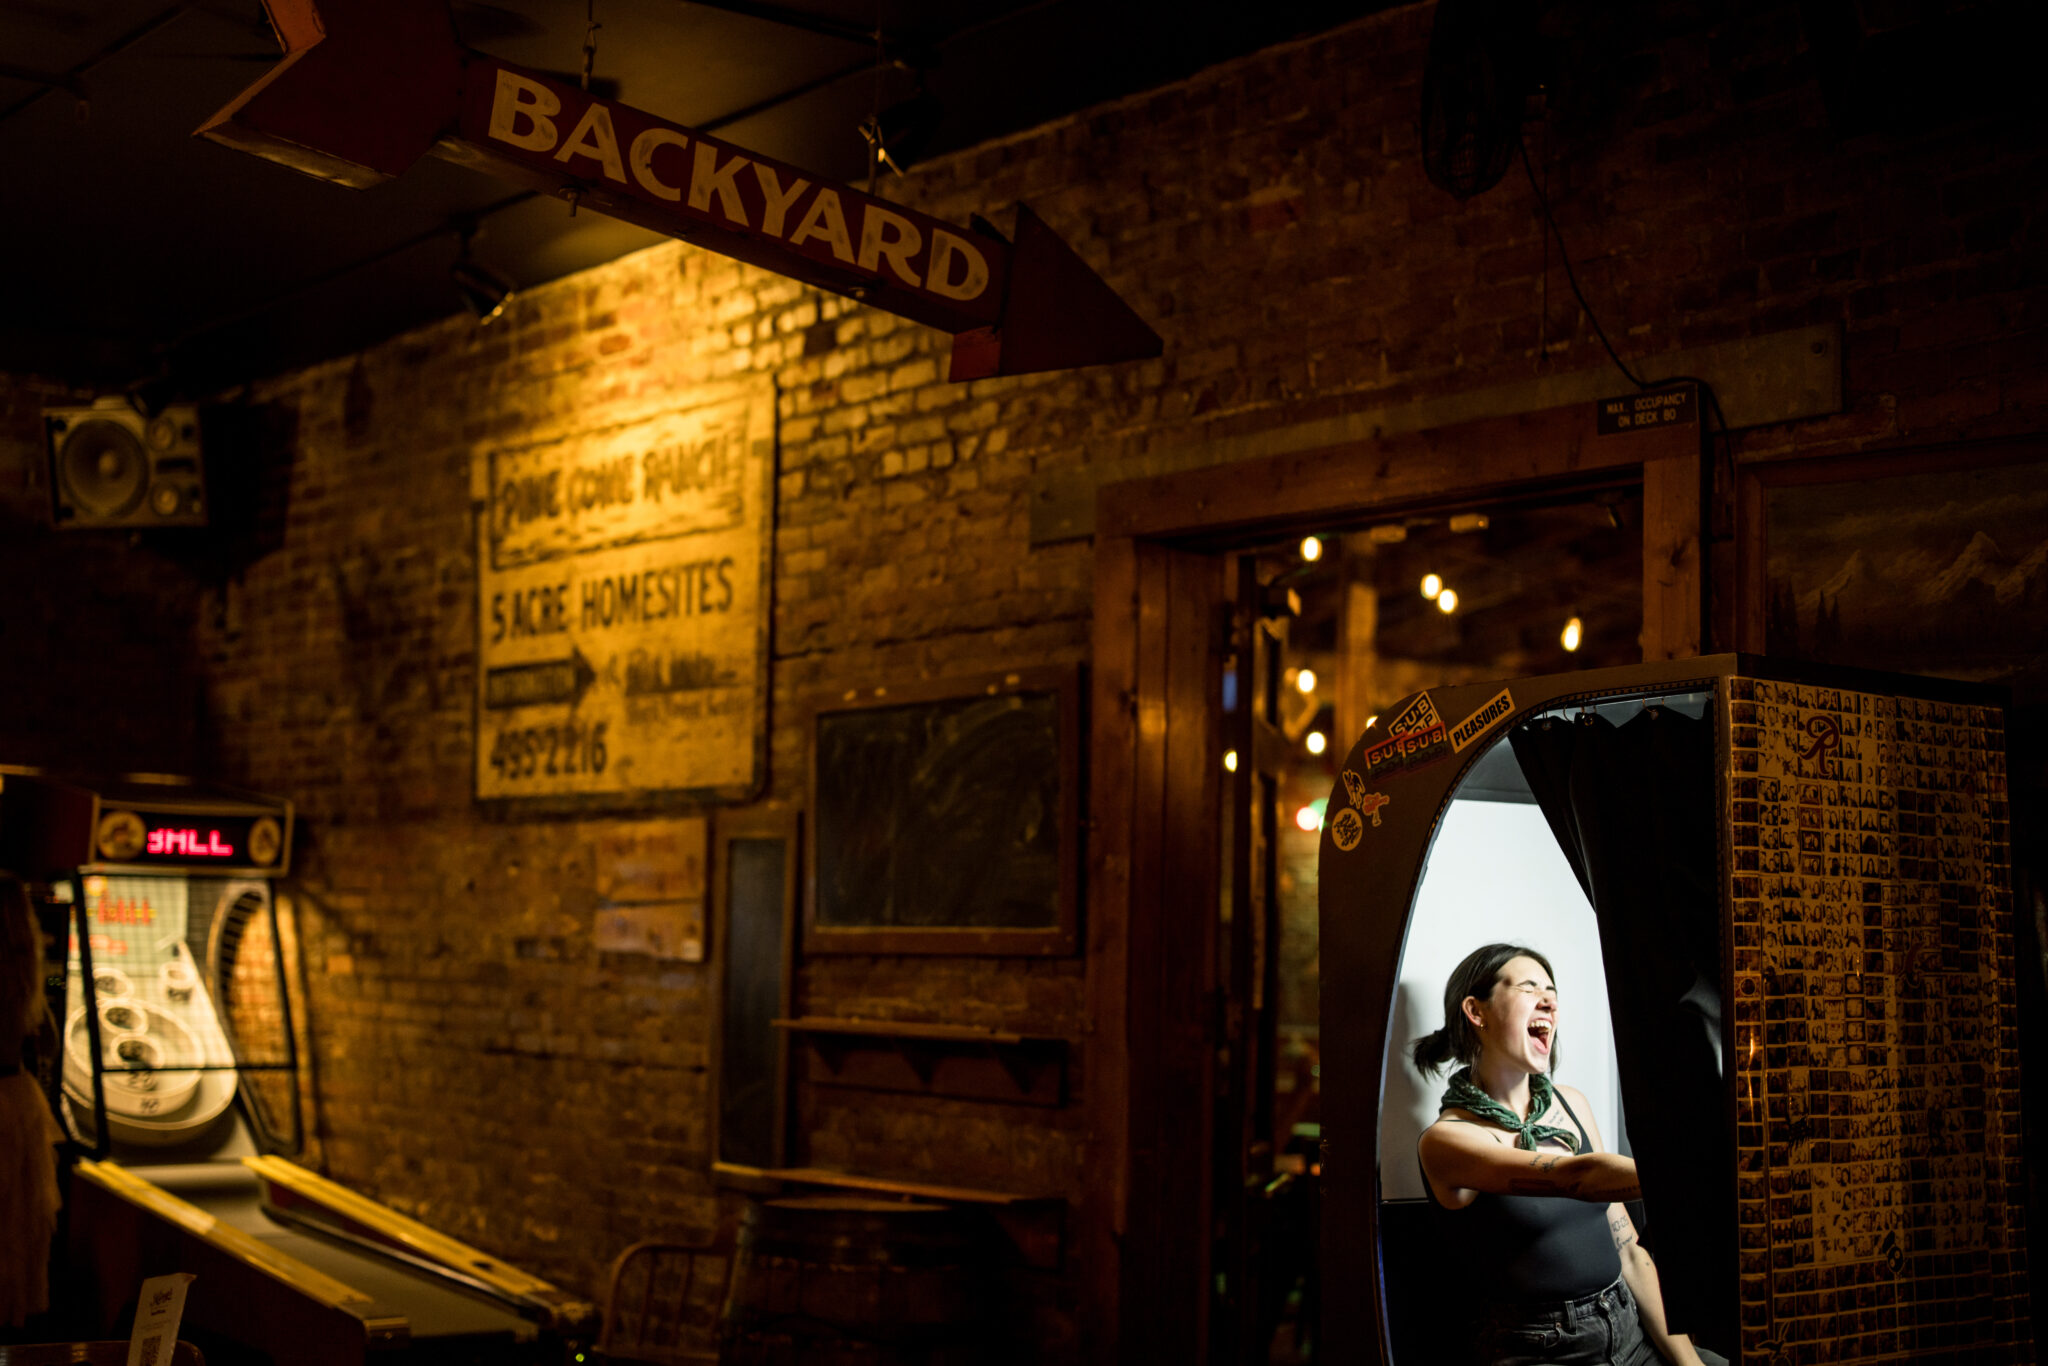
1534, 1247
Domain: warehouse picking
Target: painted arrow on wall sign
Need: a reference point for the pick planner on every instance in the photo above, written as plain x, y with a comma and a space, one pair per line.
368, 87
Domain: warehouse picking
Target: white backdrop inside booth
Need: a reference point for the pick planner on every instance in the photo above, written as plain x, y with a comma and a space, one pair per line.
1495, 874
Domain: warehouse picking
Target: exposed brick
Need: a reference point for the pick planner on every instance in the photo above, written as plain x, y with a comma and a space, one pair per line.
1268, 216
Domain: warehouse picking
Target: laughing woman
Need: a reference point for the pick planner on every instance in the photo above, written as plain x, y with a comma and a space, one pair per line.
1532, 1202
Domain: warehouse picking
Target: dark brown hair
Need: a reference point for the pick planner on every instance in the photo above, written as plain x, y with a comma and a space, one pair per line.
1477, 976
21, 970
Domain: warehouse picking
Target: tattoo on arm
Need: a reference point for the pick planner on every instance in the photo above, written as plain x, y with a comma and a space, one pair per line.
1522, 1185
1623, 1232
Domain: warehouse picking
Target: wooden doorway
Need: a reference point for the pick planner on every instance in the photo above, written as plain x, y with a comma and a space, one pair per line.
1163, 625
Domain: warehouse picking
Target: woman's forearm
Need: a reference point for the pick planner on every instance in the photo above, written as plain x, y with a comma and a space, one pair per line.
1641, 1274
1602, 1178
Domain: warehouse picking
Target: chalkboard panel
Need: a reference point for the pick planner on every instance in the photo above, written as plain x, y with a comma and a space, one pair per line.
945, 818
756, 885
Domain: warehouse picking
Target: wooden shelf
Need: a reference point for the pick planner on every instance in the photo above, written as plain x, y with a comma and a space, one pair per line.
910, 1029
966, 1062
909, 1190
1032, 1225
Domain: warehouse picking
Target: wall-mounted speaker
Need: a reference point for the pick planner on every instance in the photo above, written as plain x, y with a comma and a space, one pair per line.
112, 466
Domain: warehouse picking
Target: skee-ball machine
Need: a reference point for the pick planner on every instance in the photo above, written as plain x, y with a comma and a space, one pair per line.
1802, 882
178, 1081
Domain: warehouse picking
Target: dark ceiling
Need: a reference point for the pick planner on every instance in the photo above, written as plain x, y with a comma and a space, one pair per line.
139, 254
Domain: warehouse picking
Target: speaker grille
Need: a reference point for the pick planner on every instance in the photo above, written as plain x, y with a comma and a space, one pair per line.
103, 470
110, 466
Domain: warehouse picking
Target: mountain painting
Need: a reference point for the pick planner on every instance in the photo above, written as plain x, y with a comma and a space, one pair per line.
1943, 574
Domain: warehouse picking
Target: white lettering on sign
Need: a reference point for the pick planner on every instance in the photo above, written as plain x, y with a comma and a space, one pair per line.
594, 138
732, 190
520, 99
642, 157
825, 223
890, 236
947, 248
778, 199
708, 178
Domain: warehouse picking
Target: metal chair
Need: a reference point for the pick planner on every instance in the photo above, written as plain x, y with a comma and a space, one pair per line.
649, 1313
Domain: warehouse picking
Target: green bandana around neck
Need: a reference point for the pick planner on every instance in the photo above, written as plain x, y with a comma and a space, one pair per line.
1464, 1094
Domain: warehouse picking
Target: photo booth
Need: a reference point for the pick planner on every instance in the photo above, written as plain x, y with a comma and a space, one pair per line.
1794, 885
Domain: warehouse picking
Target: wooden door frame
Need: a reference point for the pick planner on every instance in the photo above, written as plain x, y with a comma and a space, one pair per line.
1146, 530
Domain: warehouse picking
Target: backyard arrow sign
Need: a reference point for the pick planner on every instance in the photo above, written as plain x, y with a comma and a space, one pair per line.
367, 87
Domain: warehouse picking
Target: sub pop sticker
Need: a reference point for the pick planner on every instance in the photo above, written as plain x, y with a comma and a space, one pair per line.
1417, 715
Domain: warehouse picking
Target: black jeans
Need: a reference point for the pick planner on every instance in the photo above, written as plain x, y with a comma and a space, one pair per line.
1599, 1330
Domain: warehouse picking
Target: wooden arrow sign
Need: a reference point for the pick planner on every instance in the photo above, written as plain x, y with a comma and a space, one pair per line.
367, 87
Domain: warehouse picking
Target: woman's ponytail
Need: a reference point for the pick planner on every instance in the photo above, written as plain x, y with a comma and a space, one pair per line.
1432, 1051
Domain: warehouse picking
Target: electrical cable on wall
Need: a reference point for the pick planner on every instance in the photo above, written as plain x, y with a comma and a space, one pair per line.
1721, 528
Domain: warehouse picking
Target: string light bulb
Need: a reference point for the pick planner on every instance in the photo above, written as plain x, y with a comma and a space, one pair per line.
1230, 761
1311, 548
1305, 680
1574, 631
1432, 585
1317, 742
1447, 601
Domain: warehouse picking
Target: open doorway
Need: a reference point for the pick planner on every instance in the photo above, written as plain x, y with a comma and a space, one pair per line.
1163, 623
1348, 621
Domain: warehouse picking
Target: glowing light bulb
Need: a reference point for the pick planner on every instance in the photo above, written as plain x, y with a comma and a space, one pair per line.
1305, 680
1447, 601
1311, 548
1371, 721
1432, 585
1310, 817
1317, 742
1230, 761
1574, 631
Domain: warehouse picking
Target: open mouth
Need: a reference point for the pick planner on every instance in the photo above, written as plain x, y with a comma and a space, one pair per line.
1539, 1034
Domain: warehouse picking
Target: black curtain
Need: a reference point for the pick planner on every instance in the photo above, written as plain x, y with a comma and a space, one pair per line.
1634, 808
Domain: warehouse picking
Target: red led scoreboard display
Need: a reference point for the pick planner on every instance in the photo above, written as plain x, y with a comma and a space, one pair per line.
131, 836
143, 823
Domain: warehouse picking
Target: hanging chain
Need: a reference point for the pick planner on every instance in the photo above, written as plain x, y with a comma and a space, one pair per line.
590, 28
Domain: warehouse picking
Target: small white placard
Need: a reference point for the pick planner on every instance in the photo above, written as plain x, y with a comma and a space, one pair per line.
158, 1309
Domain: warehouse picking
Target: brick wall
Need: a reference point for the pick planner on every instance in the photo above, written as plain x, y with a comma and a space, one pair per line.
478, 1061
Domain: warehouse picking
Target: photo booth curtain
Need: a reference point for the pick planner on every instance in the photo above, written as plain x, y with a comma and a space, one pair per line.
1634, 808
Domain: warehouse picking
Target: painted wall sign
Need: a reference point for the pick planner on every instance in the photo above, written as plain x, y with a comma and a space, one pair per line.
661, 860
1659, 408
621, 605
367, 87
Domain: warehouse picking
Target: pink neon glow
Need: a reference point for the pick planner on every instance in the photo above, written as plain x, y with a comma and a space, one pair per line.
167, 840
